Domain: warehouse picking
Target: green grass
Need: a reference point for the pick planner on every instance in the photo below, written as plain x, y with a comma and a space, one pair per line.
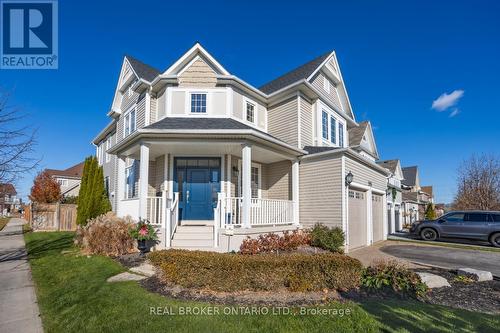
3, 222
446, 244
74, 297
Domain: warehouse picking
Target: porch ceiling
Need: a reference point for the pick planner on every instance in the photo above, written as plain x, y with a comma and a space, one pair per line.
208, 148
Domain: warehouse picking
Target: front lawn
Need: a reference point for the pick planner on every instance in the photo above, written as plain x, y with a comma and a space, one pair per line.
74, 297
3, 222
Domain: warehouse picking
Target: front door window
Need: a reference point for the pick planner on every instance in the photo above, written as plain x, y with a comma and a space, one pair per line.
197, 180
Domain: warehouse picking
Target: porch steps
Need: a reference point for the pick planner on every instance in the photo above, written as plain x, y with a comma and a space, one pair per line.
197, 223
193, 237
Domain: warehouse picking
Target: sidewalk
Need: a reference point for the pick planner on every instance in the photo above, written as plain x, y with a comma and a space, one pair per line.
18, 307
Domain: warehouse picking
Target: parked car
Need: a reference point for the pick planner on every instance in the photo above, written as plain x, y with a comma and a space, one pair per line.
479, 225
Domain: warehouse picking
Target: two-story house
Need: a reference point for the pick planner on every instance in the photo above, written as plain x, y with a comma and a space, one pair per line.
210, 159
394, 195
68, 179
9, 202
415, 199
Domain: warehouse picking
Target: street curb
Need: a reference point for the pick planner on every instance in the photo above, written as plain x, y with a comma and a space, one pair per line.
444, 244
495, 277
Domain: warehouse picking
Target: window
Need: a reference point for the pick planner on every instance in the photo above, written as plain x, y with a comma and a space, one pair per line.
455, 217
333, 129
341, 135
198, 103
326, 84
62, 182
131, 180
106, 185
250, 112
129, 123
477, 217
496, 217
324, 125
130, 91
254, 180
108, 145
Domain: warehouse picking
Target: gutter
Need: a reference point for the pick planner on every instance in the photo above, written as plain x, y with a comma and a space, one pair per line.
103, 132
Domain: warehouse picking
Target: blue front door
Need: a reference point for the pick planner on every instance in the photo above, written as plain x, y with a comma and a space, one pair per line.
198, 181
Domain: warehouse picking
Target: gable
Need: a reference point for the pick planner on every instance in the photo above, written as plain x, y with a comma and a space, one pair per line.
127, 76
363, 138
197, 51
198, 73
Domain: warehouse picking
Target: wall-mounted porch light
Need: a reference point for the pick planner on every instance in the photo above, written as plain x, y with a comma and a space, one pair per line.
348, 178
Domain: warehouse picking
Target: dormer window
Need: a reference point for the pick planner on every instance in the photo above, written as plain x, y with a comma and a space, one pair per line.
250, 112
326, 84
198, 103
129, 123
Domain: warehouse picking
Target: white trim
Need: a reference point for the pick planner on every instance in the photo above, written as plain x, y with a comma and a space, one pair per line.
147, 110
259, 185
331, 113
188, 102
246, 101
229, 102
229, 175
345, 207
196, 48
299, 127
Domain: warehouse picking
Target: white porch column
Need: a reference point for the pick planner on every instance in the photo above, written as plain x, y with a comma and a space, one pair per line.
295, 191
246, 186
143, 180
120, 186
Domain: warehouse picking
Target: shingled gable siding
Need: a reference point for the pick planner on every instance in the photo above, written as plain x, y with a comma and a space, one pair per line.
283, 121
320, 191
306, 125
199, 75
364, 174
333, 97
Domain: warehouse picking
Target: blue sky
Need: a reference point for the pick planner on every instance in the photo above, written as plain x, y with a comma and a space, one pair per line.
397, 57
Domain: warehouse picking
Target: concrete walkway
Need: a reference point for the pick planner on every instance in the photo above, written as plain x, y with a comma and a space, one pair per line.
18, 307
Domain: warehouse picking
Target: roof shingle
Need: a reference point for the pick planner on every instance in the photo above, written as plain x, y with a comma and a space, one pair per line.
76, 171
143, 70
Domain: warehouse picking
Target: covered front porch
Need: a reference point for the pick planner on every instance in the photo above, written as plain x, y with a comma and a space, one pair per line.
201, 192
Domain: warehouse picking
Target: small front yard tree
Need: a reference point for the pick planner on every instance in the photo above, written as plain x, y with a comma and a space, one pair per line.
92, 198
430, 212
45, 189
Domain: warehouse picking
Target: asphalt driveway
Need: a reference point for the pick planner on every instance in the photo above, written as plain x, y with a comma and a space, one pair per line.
446, 257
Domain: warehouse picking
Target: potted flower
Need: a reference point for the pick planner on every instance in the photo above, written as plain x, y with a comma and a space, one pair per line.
143, 232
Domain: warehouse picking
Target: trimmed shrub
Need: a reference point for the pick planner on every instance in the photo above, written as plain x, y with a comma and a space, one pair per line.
235, 272
395, 276
328, 239
272, 242
107, 235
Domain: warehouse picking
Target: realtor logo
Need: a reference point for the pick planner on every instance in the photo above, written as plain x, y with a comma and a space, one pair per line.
29, 34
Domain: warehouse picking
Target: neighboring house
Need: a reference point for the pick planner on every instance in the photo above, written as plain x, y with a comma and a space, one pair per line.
9, 202
415, 199
394, 195
69, 179
209, 159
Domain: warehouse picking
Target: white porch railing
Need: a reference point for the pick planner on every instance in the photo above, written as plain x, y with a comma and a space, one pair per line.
263, 212
172, 216
154, 210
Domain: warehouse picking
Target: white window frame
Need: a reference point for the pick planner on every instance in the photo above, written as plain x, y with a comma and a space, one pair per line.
131, 165
339, 122
190, 101
127, 121
246, 101
259, 185
62, 182
326, 84
107, 156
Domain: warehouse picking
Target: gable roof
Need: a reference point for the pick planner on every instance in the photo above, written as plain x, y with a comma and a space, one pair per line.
318, 149
74, 171
356, 133
391, 165
7, 188
410, 175
297, 74
427, 189
142, 70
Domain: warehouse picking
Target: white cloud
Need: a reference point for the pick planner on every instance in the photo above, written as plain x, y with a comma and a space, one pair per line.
454, 113
445, 101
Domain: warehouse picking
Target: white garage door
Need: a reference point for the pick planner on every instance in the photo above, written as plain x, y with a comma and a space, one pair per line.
378, 217
357, 219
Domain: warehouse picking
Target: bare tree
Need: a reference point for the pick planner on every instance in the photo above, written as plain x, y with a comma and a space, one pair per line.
17, 142
479, 183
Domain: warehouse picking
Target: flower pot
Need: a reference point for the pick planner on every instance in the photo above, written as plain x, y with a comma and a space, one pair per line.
142, 246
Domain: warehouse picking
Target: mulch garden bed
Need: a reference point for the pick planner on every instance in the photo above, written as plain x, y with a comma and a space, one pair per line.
274, 298
473, 296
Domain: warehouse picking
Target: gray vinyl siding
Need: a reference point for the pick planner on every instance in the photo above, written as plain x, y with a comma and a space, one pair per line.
159, 173
152, 179
320, 191
332, 96
364, 174
283, 121
153, 111
276, 180
141, 112
306, 123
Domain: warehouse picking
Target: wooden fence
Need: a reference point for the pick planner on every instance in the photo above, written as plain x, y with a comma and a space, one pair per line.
52, 217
